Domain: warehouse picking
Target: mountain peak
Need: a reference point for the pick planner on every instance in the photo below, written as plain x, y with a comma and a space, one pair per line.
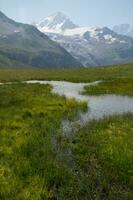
57, 23
25, 45
60, 15
54, 19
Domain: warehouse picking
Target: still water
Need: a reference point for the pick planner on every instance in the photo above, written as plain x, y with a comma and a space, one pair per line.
98, 106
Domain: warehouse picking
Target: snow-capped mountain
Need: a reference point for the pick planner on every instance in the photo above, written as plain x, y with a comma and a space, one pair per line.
124, 29
56, 23
91, 46
23, 45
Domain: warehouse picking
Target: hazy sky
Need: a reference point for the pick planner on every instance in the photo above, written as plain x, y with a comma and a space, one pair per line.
82, 12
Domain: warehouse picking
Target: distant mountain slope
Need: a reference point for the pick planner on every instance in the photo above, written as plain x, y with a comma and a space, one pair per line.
124, 29
25, 45
92, 46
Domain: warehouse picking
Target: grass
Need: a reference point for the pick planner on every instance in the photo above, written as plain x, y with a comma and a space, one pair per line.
38, 161
30, 119
117, 86
73, 75
103, 156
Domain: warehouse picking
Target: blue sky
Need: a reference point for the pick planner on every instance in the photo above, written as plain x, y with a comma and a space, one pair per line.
82, 12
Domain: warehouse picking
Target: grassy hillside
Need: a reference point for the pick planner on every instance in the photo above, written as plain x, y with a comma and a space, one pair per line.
7, 63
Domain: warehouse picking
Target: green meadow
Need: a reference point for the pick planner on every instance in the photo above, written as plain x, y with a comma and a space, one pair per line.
31, 163
103, 155
73, 75
38, 161
118, 86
